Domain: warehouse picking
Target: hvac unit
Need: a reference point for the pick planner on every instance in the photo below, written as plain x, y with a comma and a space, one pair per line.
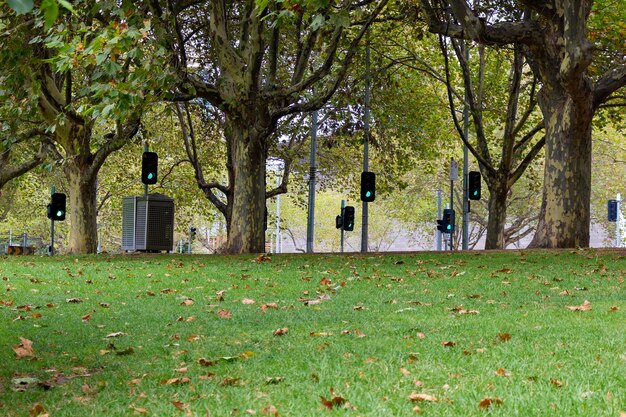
148, 223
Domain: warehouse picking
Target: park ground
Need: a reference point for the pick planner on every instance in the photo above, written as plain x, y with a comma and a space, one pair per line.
527, 333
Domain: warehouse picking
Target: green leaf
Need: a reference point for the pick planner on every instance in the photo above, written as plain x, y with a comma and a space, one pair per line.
50, 10
21, 6
317, 22
67, 5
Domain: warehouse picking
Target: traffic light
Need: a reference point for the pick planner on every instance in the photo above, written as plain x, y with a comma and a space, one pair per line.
338, 222
473, 182
368, 186
440, 226
612, 210
348, 218
192, 232
448, 220
56, 208
149, 165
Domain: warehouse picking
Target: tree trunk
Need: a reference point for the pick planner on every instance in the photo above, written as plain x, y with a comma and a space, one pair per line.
82, 209
497, 214
565, 211
246, 228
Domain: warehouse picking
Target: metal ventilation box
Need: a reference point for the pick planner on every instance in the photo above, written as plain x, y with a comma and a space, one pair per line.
148, 223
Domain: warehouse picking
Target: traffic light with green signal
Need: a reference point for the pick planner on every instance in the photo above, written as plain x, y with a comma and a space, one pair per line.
368, 186
348, 218
473, 185
149, 165
448, 221
57, 207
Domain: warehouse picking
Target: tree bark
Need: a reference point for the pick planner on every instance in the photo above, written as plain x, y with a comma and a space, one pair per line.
497, 205
565, 211
82, 209
246, 220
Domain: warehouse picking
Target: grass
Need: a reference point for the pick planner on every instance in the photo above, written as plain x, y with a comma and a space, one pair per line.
364, 332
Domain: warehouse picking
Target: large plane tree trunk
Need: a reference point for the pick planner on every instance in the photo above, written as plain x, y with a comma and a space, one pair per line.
247, 155
565, 211
82, 208
498, 193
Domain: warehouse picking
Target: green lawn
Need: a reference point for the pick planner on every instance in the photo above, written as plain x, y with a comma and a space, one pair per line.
367, 335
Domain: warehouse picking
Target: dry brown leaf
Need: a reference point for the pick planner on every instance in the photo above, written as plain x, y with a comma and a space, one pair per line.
488, 402
469, 312
181, 370
504, 337
73, 300
116, 334
193, 338
414, 397
325, 282
188, 302
180, 405
502, 372
334, 401
585, 306
207, 362
224, 314
448, 343
405, 372
267, 306
24, 349
271, 411
359, 308
556, 382
622, 414
38, 411
564, 292
359, 333
139, 410
281, 332
614, 308
248, 301
176, 381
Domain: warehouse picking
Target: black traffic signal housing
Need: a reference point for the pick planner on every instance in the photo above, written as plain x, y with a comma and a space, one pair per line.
57, 207
192, 232
440, 226
368, 186
612, 206
149, 166
448, 220
473, 189
338, 222
348, 218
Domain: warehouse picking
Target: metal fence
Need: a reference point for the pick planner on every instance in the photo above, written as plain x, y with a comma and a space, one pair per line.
23, 240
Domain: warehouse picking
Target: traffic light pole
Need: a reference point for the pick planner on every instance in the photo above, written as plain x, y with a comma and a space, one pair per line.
465, 230
439, 234
452, 207
51, 247
146, 148
618, 224
310, 225
366, 132
343, 204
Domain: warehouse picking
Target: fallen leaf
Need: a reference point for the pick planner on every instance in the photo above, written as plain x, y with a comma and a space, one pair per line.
193, 338
359, 308
586, 306
176, 381
448, 343
86, 317
274, 380
73, 300
263, 258
224, 314
270, 410
414, 397
504, 337
421, 335
207, 362
229, 382
564, 292
469, 312
187, 302
359, 333
104, 305
24, 349
267, 306
180, 405
502, 372
181, 370
614, 308
139, 410
325, 282
334, 401
281, 332
405, 372
86, 389
38, 411
556, 382
116, 334
488, 402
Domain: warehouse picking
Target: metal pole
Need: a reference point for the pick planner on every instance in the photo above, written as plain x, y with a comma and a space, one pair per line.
343, 205
278, 217
452, 207
310, 226
51, 247
366, 133
439, 234
189, 240
10, 237
146, 148
465, 230
618, 224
